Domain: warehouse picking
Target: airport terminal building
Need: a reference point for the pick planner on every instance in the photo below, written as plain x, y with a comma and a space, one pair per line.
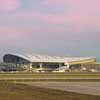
44, 63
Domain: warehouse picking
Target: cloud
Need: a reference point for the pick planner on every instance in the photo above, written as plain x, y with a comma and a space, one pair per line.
9, 5
54, 2
80, 15
75, 7
44, 17
84, 7
12, 33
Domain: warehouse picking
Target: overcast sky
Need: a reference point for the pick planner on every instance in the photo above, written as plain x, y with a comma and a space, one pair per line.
54, 27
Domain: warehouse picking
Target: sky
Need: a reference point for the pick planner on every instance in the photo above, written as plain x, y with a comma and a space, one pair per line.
54, 27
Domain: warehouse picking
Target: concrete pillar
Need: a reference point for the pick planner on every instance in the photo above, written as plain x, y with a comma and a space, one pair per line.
30, 66
41, 65
59, 66
67, 65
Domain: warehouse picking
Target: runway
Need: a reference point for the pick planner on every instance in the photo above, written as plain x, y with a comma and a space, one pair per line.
92, 88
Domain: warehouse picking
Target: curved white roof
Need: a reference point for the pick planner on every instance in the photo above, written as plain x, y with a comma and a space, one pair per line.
46, 58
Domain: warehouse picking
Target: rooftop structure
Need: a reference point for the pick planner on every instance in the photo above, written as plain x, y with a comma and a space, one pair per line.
51, 59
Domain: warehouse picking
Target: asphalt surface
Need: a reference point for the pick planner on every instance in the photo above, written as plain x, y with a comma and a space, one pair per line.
92, 88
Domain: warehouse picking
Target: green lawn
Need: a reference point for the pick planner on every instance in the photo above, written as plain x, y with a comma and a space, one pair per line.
23, 72
15, 91
50, 75
68, 76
